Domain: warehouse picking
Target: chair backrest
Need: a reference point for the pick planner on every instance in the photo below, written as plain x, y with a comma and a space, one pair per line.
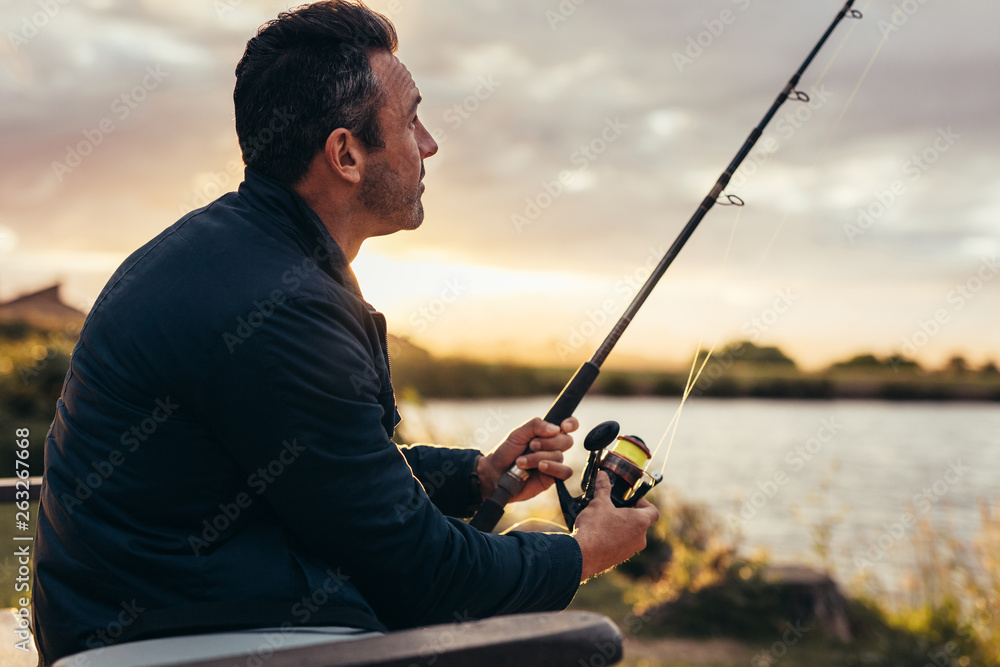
544, 639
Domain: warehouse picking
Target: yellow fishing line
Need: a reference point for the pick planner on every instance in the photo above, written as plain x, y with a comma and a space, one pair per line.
692, 376
677, 412
850, 100
561, 528
675, 422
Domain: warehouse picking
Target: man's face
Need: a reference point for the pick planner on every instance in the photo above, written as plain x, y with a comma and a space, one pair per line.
391, 186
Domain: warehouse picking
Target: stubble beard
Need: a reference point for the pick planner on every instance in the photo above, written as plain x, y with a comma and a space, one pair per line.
386, 197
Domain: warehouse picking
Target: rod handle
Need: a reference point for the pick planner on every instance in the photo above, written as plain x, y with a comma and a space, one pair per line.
512, 481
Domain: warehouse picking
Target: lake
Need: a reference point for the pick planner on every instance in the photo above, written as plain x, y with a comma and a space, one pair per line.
777, 468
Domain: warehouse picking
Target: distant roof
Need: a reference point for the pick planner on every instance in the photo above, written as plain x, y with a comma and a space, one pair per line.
44, 308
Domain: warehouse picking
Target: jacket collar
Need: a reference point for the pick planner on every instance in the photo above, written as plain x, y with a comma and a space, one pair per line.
288, 210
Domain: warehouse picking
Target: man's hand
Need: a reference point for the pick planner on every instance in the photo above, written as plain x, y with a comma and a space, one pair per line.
547, 443
609, 535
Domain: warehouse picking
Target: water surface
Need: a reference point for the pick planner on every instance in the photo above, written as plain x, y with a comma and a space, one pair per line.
778, 468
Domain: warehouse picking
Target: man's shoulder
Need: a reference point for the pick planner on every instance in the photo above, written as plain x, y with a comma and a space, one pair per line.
217, 268
231, 253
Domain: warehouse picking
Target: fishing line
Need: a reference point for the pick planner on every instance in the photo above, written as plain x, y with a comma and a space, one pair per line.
739, 209
843, 42
559, 526
850, 100
674, 423
687, 392
829, 137
573, 393
692, 378
687, 385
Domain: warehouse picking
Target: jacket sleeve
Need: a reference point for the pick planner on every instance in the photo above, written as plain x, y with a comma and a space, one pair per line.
297, 406
446, 475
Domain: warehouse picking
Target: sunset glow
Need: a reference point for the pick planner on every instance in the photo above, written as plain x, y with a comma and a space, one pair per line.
570, 157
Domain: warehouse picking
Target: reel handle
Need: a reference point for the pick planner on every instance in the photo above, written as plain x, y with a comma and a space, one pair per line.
623, 464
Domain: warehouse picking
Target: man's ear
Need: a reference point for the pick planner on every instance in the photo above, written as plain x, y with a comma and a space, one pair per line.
344, 155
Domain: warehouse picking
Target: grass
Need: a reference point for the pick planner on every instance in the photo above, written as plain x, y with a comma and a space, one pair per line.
950, 615
8, 562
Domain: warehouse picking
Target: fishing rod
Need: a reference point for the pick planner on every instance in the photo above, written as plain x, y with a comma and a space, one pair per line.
512, 481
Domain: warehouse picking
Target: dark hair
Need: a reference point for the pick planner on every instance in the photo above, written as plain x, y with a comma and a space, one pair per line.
305, 74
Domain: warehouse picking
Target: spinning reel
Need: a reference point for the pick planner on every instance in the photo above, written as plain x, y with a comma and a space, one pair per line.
623, 462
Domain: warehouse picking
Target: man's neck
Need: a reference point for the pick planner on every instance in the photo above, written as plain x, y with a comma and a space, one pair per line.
344, 222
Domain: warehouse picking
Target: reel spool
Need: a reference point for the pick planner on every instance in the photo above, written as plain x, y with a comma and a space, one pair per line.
624, 465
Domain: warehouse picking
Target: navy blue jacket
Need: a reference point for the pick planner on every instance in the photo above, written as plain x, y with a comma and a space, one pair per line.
221, 455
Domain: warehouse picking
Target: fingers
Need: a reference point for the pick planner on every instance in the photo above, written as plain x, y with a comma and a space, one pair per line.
648, 511
548, 461
540, 427
557, 470
602, 487
549, 437
550, 464
529, 433
536, 445
560, 443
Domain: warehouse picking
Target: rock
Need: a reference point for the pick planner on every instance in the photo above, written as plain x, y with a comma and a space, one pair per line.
814, 596
771, 601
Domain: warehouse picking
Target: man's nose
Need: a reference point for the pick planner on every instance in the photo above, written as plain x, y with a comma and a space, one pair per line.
425, 142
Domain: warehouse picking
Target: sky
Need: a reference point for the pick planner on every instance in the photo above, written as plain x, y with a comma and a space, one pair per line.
576, 139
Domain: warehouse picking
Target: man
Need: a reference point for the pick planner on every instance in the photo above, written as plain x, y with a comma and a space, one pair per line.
221, 453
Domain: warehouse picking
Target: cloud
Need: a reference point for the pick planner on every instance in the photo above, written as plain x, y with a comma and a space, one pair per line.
514, 96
